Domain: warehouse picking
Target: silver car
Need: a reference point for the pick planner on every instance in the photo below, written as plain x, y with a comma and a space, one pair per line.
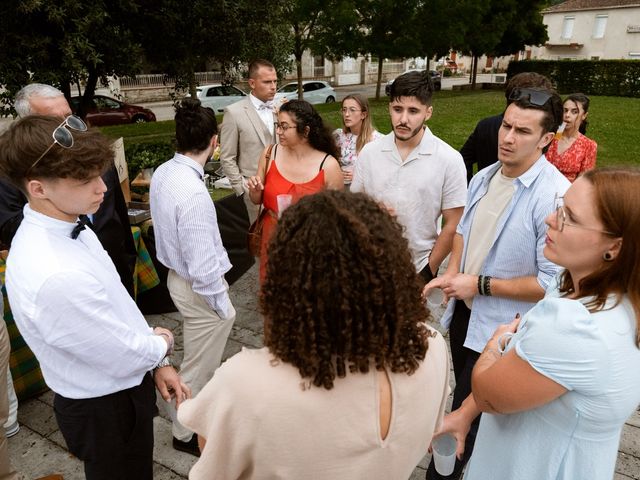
217, 96
314, 91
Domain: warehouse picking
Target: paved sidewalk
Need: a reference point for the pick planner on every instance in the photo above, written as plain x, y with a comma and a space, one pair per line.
39, 449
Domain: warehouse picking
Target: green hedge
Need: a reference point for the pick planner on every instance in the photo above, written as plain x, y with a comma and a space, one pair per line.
147, 155
617, 78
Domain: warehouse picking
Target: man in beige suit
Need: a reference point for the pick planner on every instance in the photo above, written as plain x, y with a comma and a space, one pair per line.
247, 128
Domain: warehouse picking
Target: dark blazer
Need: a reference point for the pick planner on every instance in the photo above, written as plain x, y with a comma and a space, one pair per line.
110, 223
482, 145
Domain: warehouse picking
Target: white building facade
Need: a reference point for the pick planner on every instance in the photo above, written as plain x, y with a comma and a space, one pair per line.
591, 30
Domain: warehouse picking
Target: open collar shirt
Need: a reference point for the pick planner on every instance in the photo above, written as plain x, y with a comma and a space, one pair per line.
74, 313
186, 230
517, 247
431, 179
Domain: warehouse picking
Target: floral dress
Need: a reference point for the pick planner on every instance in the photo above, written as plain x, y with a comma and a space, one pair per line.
578, 158
347, 143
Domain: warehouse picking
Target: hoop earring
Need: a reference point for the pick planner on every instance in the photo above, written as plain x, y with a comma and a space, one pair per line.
607, 257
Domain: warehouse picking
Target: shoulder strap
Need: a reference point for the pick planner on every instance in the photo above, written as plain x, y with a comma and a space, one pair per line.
267, 157
323, 160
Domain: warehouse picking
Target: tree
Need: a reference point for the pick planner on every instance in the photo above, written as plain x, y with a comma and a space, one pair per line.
324, 27
388, 28
439, 25
63, 42
500, 27
200, 31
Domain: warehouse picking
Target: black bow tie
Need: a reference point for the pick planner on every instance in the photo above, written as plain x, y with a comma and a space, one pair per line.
81, 225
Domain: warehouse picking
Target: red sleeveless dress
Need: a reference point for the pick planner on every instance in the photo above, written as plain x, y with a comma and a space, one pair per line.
275, 185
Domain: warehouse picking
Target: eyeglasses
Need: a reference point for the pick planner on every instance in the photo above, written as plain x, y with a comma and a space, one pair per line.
534, 97
283, 126
561, 218
350, 111
62, 135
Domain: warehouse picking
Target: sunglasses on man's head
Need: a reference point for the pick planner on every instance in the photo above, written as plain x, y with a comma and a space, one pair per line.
534, 97
63, 136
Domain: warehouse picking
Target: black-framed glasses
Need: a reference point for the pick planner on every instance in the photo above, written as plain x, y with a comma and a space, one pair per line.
534, 97
282, 126
62, 135
561, 218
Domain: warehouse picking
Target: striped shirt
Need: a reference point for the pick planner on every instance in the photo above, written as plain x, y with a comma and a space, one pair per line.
516, 250
186, 230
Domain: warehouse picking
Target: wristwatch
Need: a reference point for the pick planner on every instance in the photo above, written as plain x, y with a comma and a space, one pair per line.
165, 362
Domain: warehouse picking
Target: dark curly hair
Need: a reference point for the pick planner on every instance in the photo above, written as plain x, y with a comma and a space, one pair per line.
195, 126
341, 290
319, 135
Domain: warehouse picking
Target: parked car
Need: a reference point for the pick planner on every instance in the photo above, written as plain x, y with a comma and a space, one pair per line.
436, 78
109, 111
217, 96
314, 91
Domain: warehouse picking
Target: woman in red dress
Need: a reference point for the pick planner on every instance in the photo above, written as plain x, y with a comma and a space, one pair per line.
574, 153
304, 162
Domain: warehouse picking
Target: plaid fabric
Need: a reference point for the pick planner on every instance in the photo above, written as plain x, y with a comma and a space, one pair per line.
25, 369
145, 276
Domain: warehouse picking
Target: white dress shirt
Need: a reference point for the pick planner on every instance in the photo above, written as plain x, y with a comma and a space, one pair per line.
265, 111
74, 313
186, 229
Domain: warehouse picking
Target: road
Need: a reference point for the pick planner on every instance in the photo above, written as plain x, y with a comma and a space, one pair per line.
164, 110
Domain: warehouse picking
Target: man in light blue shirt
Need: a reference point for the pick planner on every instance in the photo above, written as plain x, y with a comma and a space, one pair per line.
188, 243
497, 268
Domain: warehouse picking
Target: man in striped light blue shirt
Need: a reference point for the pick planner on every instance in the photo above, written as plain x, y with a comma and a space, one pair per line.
189, 245
497, 268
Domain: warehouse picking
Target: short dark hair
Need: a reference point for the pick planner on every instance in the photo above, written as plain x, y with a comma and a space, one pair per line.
526, 80
341, 289
552, 108
320, 135
195, 125
413, 84
583, 100
26, 140
255, 65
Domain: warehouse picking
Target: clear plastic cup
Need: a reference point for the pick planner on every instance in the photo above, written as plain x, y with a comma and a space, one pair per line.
560, 131
435, 297
444, 453
284, 201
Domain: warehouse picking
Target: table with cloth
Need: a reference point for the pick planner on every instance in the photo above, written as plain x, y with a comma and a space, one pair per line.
25, 369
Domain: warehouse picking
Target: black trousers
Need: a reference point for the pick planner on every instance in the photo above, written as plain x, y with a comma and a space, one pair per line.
426, 273
113, 434
464, 360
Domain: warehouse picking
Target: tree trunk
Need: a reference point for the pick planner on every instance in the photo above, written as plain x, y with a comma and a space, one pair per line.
192, 84
474, 71
297, 53
89, 91
380, 63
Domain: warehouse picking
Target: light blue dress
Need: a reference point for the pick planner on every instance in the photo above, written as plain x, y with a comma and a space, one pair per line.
576, 436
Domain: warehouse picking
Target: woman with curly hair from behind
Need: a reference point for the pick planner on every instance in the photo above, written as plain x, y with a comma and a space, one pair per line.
352, 382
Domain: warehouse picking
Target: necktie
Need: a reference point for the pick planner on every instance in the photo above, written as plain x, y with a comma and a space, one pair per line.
81, 225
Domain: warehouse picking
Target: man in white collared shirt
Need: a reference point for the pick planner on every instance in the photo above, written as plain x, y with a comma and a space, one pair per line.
415, 175
95, 348
188, 243
247, 129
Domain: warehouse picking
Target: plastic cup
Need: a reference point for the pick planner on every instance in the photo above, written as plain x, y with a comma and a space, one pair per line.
560, 131
284, 201
444, 453
435, 297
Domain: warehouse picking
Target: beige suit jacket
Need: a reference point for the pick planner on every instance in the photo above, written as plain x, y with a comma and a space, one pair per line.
243, 137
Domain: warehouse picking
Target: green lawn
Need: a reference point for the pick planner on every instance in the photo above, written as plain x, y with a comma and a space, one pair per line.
613, 122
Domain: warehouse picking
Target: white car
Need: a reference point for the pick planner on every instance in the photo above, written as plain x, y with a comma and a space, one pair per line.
217, 96
314, 91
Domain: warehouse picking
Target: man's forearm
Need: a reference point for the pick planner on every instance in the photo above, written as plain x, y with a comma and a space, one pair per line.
442, 247
525, 289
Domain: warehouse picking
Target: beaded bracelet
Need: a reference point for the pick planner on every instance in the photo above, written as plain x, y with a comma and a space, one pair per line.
480, 284
486, 285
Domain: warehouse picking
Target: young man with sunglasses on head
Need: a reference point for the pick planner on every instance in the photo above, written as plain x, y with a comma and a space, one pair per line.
414, 174
96, 351
497, 269
110, 222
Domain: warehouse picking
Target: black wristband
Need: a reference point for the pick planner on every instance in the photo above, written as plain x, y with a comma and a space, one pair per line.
487, 285
480, 284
